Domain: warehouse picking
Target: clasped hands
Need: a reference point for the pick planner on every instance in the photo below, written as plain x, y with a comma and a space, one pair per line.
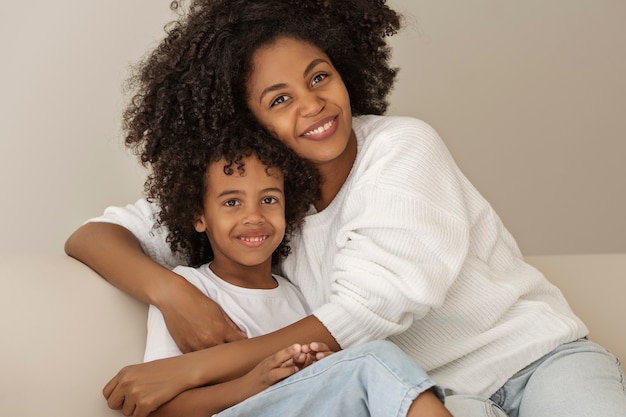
139, 390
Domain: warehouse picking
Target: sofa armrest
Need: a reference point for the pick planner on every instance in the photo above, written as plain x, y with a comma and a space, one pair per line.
66, 331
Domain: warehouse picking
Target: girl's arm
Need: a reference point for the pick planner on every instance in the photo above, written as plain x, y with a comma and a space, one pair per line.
152, 384
213, 399
194, 320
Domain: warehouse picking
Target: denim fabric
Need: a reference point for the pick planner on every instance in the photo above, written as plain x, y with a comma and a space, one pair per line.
577, 379
375, 379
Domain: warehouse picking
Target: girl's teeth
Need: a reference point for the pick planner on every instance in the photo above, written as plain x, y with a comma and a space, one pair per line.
254, 239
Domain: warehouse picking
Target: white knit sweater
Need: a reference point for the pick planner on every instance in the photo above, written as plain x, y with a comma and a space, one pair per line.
410, 251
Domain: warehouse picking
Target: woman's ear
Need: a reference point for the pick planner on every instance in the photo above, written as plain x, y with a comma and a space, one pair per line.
199, 224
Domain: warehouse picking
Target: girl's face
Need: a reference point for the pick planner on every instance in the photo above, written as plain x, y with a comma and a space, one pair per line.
243, 217
298, 95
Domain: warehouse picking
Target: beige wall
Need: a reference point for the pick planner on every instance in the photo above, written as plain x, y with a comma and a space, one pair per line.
529, 96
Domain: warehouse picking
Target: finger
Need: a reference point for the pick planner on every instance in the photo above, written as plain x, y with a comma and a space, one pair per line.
109, 387
285, 356
321, 355
129, 408
278, 374
114, 399
319, 347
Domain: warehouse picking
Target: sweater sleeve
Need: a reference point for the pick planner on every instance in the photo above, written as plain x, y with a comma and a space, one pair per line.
140, 219
403, 239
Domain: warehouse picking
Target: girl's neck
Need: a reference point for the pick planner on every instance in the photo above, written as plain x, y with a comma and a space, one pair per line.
254, 277
334, 174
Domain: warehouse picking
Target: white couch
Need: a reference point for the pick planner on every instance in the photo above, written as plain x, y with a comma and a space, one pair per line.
66, 331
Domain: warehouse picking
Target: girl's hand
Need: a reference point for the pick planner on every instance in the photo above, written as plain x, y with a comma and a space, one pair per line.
195, 321
271, 370
137, 390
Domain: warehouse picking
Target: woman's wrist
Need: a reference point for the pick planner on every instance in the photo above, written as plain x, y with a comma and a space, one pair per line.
167, 288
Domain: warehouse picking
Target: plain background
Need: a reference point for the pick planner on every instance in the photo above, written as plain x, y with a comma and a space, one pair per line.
529, 96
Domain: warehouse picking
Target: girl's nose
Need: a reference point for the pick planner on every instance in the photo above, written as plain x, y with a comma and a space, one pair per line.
253, 216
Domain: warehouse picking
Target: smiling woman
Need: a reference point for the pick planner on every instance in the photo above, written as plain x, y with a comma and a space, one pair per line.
299, 96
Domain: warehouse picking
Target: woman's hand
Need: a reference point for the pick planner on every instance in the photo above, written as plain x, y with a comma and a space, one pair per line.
195, 321
311, 353
137, 390
316, 351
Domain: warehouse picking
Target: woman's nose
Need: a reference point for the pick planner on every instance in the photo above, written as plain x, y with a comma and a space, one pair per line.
311, 104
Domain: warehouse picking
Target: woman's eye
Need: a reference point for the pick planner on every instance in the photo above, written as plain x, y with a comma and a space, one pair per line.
231, 203
278, 100
318, 78
269, 200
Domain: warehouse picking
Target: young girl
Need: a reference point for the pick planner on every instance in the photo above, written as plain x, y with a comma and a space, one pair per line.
399, 246
229, 211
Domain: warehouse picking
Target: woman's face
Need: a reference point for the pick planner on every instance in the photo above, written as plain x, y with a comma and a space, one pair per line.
298, 95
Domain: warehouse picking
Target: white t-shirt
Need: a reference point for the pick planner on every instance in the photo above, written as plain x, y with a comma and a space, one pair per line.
255, 311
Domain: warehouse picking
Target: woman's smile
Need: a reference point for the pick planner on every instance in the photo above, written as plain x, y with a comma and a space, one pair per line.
322, 129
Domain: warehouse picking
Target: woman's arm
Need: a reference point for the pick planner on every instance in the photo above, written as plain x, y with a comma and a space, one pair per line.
194, 320
152, 384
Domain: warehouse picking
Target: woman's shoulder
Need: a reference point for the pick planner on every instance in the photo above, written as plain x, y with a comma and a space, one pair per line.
390, 125
397, 135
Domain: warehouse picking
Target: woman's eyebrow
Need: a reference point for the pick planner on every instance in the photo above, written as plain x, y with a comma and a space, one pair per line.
270, 89
312, 65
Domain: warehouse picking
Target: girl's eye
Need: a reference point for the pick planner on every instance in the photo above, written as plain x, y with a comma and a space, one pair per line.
269, 200
231, 203
317, 78
278, 100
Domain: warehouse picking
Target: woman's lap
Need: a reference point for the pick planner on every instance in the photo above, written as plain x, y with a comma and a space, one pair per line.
576, 379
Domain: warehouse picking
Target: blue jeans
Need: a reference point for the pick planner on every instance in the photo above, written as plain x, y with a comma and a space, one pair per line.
375, 379
577, 379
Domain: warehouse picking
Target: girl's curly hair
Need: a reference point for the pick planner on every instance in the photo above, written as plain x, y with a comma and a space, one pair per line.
194, 82
178, 181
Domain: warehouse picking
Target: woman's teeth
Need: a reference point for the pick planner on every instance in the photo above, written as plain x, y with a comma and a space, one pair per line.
320, 129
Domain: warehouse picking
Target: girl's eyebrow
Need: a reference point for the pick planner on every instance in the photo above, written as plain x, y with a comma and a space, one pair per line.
228, 192
273, 190
237, 192
306, 72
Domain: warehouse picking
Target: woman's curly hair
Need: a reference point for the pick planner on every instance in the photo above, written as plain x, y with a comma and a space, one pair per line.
178, 182
194, 82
